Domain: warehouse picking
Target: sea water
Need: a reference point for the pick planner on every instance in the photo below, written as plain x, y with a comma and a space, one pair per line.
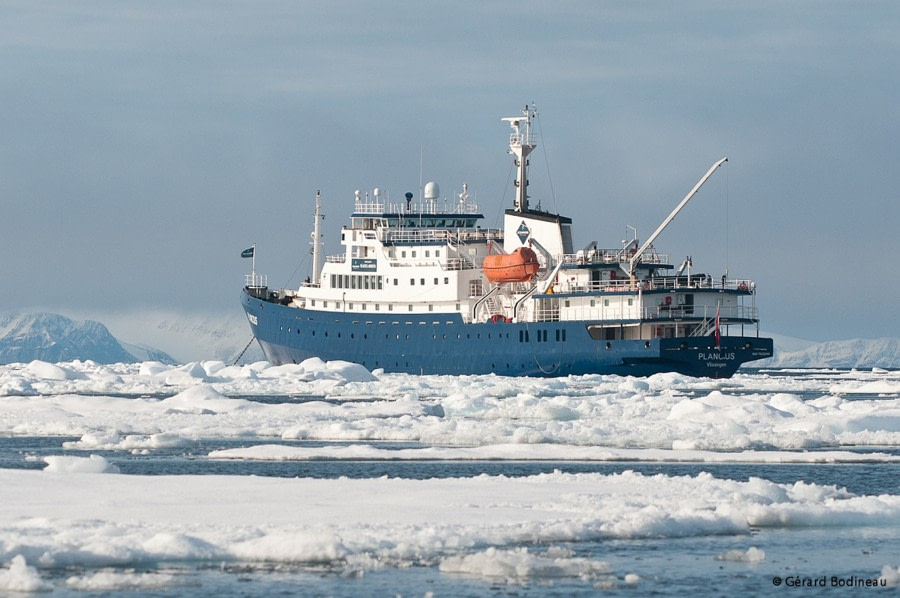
800, 466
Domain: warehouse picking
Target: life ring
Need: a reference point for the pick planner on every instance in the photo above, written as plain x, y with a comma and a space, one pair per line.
668, 300
742, 286
498, 319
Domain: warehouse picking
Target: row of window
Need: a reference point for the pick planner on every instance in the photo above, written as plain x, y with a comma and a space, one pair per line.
413, 253
372, 282
366, 282
525, 336
365, 306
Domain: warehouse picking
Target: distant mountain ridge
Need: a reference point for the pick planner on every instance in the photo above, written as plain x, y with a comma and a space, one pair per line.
25, 337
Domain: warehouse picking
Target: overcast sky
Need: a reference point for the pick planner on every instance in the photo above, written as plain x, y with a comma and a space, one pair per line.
145, 144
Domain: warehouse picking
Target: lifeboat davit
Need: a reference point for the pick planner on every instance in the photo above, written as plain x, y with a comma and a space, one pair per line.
519, 266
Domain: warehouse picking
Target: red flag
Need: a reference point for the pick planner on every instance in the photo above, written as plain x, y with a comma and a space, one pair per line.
718, 336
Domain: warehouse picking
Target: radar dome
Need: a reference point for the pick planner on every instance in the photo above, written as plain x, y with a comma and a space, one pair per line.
432, 191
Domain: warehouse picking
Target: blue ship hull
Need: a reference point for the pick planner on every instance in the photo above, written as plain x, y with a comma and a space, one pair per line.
441, 343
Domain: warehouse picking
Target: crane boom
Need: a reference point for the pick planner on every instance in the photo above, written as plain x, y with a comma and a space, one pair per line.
637, 256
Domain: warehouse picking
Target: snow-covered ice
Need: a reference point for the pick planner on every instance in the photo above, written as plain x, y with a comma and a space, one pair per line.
79, 512
339, 401
57, 519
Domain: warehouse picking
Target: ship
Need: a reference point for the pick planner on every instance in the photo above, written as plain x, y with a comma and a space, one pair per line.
421, 287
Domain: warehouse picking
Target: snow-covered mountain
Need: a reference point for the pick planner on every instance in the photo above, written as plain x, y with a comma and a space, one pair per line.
189, 336
854, 353
25, 337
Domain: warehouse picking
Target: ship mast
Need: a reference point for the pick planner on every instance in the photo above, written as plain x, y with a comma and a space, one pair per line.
521, 143
316, 241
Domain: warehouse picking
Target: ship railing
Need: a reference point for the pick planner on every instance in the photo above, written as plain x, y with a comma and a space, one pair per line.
652, 284
413, 235
419, 207
697, 282
256, 281
613, 256
634, 313
432, 235
705, 312
457, 263
525, 137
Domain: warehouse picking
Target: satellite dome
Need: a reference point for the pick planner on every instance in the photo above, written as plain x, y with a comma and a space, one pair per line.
432, 191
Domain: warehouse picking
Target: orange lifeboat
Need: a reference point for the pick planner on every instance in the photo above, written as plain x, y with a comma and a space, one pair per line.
519, 266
